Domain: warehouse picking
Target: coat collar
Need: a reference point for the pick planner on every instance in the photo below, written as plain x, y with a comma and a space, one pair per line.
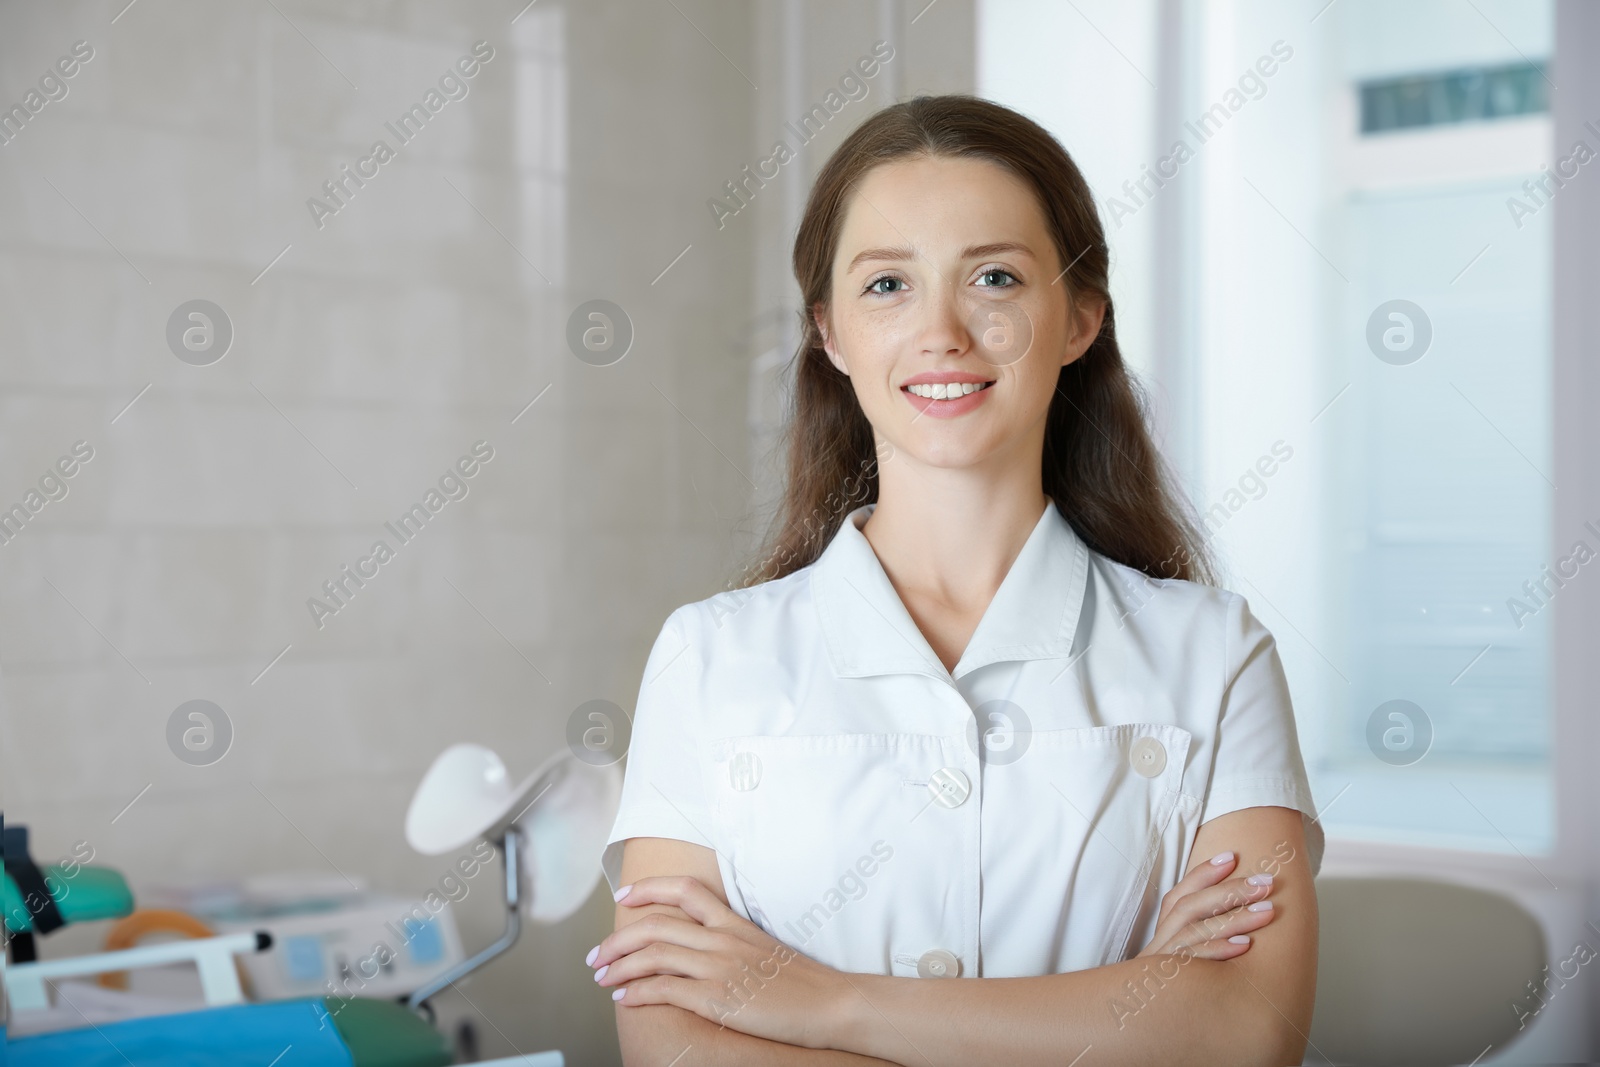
1034, 614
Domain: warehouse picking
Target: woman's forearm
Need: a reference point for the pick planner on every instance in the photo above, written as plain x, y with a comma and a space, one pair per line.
1156, 1009
655, 1035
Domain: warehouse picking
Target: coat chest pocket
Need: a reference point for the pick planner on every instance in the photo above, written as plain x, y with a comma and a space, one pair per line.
1072, 830
831, 837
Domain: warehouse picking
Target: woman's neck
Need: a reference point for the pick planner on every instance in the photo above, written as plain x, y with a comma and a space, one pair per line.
947, 538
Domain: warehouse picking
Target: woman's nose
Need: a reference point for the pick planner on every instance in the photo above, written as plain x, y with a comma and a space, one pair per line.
944, 330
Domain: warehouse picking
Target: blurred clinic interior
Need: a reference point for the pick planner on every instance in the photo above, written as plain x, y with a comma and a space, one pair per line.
539, 346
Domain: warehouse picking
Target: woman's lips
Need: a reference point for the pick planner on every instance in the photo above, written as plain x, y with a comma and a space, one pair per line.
948, 408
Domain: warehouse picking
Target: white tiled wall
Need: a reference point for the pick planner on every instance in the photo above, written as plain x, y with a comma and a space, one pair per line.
420, 318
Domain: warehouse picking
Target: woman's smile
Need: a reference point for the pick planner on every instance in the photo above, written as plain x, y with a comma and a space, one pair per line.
946, 394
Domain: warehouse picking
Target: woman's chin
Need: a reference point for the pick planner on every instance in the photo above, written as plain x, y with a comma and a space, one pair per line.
948, 451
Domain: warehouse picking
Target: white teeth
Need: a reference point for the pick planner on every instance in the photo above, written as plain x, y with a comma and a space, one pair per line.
946, 390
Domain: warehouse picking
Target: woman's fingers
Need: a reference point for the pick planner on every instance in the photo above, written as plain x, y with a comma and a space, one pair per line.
667, 989
1223, 948
658, 958
651, 929
1216, 899
1201, 896
1214, 928
1203, 876
681, 891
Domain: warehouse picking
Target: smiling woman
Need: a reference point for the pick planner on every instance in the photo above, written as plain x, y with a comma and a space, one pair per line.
1005, 664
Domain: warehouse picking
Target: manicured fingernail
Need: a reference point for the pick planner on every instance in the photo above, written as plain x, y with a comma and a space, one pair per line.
1240, 939
1221, 858
1260, 905
590, 958
619, 992
601, 973
1259, 879
619, 894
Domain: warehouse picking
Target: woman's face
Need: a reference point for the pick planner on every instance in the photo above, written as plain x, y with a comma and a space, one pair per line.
948, 312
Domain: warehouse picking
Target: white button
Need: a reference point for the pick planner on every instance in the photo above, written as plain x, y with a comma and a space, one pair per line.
1148, 756
950, 787
744, 771
937, 963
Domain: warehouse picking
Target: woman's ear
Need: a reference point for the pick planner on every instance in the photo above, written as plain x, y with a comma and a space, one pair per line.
1085, 315
819, 315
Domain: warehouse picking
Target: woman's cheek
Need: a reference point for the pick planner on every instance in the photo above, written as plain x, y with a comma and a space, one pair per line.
1041, 370
871, 354
878, 337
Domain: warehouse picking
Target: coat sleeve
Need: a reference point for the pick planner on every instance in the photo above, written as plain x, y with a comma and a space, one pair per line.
1258, 760
663, 788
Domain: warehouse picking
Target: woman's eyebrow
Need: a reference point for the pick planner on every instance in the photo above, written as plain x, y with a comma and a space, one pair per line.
972, 252
867, 255
999, 248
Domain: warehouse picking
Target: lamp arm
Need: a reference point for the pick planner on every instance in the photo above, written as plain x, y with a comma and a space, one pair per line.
509, 843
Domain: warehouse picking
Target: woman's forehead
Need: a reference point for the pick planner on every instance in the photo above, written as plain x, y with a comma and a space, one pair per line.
940, 207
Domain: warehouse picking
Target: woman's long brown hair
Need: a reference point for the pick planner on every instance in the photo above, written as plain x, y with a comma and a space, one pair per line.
1100, 465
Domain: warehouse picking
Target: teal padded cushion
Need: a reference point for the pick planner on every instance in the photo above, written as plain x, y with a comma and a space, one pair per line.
82, 895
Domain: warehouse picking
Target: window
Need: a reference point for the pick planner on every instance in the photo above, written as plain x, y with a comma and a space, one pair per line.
1346, 273
1470, 95
1435, 483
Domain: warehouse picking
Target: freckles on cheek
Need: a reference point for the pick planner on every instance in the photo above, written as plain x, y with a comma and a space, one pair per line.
877, 339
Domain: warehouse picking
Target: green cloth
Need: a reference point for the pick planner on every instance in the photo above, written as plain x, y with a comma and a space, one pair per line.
384, 1033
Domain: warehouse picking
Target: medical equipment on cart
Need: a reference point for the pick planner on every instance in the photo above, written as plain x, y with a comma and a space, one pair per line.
326, 930
550, 830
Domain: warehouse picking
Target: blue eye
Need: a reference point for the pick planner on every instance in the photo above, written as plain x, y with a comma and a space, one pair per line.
872, 286
1001, 273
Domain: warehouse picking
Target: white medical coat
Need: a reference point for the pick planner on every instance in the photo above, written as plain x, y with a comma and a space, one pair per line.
1020, 815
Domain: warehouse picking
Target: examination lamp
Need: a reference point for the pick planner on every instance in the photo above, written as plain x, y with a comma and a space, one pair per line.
550, 830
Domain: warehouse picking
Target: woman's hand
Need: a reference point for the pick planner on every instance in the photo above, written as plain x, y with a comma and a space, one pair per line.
1208, 918
718, 965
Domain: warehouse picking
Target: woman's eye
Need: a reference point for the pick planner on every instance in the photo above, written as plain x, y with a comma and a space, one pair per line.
998, 273
872, 286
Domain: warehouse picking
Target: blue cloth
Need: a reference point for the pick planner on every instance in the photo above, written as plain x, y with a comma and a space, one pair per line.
295, 1033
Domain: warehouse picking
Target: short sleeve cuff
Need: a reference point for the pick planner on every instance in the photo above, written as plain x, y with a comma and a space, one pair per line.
649, 825
1244, 793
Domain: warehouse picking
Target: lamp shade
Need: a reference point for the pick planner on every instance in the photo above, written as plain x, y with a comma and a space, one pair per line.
564, 830
466, 794
562, 812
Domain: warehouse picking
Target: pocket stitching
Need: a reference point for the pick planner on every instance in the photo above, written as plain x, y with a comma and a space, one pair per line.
1166, 807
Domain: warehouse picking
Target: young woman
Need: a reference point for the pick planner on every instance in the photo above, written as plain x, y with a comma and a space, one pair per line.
978, 713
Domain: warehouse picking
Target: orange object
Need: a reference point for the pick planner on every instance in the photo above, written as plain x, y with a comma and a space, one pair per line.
129, 931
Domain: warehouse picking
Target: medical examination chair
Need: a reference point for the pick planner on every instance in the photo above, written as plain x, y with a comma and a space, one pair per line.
549, 832
316, 1032
1414, 971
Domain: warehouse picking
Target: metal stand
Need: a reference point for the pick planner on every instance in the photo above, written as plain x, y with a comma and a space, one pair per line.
509, 843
